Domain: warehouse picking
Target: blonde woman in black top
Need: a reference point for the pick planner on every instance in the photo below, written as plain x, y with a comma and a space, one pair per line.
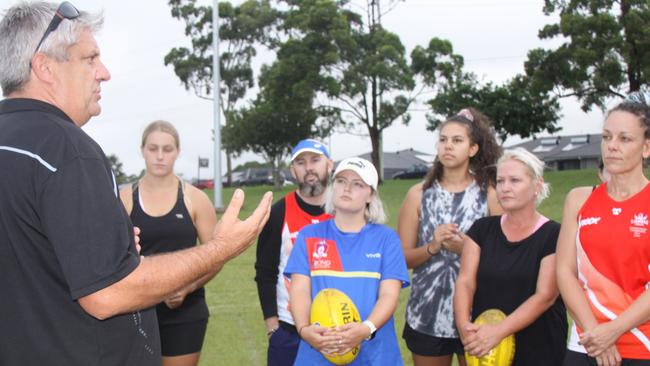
172, 214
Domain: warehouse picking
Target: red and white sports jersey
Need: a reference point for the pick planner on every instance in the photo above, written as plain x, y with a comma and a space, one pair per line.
294, 220
613, 253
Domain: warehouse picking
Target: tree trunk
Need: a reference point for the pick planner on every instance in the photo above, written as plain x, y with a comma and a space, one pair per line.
374, 139
374, 129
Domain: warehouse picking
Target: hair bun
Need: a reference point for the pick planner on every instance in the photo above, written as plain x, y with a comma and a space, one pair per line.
641, 96
466, 113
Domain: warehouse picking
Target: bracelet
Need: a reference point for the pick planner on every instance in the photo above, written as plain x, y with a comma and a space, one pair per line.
271, 331
429, 252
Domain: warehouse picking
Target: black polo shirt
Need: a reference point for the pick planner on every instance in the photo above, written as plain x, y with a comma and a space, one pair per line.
64, 234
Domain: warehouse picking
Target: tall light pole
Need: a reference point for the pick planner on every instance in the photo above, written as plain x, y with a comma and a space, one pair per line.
216, 92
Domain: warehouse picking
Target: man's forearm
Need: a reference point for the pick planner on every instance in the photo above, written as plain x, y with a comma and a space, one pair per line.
202, 280
156, 278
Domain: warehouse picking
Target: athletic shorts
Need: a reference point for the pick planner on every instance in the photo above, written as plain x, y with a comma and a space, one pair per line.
425, 345
574, 358
182, 339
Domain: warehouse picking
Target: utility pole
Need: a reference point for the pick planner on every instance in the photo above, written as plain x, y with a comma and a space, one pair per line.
216, 92
374, 23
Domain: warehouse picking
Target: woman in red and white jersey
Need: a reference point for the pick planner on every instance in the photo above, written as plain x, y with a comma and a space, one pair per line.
603, 252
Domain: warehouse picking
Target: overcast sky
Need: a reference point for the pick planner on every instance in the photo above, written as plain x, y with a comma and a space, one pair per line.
492, 35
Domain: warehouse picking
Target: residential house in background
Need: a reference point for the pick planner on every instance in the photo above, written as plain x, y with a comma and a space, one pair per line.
398, 161
566, 152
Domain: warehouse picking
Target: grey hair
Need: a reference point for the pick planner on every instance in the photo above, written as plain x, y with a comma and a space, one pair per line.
535, 168
374, 213
21, 29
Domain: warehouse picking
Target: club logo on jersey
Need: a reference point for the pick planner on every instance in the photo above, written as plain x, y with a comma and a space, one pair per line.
638, 224
321, 250
640, 220
589, 221
323, 255
616, 211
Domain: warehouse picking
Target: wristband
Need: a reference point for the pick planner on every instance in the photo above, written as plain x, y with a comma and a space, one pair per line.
372, 327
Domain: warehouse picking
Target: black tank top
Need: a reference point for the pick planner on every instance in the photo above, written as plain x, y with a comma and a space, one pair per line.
167, 233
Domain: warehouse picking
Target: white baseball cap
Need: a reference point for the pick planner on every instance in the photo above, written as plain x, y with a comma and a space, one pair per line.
363, 167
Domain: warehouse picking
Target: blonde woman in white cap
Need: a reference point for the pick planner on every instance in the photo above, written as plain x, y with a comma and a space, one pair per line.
358, 255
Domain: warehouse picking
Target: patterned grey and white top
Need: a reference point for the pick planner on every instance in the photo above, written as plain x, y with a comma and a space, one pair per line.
430, 309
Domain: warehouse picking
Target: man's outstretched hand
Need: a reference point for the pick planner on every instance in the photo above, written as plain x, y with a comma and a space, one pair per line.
233, 235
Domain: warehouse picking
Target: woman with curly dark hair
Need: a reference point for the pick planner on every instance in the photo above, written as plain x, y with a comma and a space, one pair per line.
458, 189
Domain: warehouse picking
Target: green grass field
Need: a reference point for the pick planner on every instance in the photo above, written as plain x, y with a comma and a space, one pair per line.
236, 332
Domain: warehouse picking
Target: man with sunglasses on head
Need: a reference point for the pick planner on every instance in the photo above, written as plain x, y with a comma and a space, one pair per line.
74, 290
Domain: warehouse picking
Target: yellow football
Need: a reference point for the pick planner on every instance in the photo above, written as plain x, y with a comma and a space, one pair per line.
332, 308
503, 353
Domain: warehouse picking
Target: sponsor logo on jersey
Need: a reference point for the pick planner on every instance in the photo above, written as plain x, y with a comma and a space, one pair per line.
179, 216
323, 254
638, 224
373, 255
589, 221
617, 211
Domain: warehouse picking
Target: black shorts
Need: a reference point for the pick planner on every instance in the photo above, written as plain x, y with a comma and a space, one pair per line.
183, 338
573, 358
425, 345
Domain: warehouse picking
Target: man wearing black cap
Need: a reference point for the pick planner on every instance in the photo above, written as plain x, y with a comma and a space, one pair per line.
311, 167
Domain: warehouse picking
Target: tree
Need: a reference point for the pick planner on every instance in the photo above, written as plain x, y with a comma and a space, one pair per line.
515, 107
116, 166
606, 52
265, 126
323, 50
283, 112
241, 29
373, 85
373, 77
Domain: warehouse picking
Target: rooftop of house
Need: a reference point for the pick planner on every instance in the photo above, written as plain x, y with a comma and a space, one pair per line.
554, 148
